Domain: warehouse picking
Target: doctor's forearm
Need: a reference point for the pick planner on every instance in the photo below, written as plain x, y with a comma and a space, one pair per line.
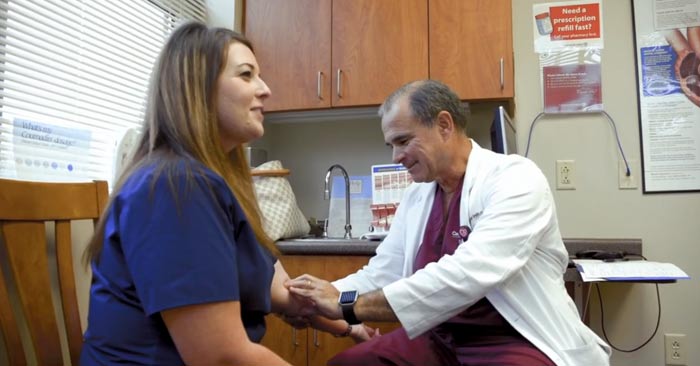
372, 306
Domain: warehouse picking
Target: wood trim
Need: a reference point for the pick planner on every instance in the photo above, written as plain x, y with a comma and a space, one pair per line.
69, 300
270, 173
13, 342
26, 251
22, 200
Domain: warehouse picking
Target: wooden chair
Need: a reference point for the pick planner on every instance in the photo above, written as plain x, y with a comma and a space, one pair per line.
25, 207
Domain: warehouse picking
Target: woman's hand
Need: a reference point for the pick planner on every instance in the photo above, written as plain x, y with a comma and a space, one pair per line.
322, 296
362, 332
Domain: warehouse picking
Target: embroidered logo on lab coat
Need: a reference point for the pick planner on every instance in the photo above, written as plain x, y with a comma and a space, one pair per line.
462, 234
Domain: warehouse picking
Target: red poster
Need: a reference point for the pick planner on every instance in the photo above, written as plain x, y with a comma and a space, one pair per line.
569, 25
581, 21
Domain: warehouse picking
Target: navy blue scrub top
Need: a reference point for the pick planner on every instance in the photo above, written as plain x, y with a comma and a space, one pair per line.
164, 251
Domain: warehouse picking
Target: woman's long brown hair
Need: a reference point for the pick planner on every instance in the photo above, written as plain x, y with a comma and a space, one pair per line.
181, 121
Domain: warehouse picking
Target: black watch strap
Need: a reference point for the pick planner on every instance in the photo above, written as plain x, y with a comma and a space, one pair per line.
349, 314
347, 300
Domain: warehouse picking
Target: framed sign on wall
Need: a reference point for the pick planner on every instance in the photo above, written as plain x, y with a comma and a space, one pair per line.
667, 46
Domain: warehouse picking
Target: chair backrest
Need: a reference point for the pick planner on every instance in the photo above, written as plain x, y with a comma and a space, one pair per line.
25, 207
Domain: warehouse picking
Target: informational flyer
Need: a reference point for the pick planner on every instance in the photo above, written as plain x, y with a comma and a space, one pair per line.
568, 38
667, 34
567, 25
572, 88
389, 181
41, 149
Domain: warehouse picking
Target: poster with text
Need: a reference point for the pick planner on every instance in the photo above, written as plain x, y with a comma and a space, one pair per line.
667, 36
572, 88
570, 25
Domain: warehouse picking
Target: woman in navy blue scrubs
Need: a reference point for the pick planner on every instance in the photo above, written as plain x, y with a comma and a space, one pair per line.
182, 270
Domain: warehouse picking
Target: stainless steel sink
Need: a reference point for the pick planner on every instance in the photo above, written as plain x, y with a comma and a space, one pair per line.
326, 240
327, 246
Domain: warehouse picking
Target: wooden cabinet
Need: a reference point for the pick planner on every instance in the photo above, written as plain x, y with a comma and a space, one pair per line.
340, 53
377, 46
471, 47
337, 53
292, 43
308, 346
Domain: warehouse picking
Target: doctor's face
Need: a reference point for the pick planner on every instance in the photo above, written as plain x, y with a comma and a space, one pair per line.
413, 144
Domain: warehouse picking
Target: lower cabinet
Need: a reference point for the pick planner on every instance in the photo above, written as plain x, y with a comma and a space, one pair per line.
309, 346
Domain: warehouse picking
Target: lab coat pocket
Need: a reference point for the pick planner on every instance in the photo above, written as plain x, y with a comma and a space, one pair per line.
590, 354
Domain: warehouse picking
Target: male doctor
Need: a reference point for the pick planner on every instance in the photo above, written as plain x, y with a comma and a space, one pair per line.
473, 265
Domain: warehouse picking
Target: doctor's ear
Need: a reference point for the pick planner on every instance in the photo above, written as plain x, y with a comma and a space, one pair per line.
445, 123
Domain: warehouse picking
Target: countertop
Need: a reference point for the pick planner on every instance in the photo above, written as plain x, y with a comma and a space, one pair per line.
338, 246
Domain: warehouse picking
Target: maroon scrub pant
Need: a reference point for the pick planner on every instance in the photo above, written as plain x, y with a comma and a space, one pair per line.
431, 348
395, 348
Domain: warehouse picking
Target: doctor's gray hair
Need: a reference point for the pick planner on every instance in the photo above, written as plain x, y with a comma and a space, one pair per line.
426, 99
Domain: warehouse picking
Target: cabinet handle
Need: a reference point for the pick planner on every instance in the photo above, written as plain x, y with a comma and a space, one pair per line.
318, 84
295, 343
502, 76
337, 83
316, 342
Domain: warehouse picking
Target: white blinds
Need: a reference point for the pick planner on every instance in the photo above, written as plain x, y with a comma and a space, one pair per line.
73, 77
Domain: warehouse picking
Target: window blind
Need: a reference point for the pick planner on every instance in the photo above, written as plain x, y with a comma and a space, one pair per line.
73, 79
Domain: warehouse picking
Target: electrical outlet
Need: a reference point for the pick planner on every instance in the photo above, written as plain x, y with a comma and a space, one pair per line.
626, 181
355, 186
565, 174
676, 349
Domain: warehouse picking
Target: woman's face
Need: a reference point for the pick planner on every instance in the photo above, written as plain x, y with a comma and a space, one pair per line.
241, 93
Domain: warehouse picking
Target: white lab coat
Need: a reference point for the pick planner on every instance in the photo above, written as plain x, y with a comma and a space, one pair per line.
514, 256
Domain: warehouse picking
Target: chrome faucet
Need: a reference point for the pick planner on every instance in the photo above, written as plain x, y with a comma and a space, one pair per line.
327, 195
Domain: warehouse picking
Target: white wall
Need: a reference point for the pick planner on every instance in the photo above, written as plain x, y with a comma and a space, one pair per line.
225, 13
667, 223
309, 149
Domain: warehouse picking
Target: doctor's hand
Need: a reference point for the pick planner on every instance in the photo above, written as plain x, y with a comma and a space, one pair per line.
322, 295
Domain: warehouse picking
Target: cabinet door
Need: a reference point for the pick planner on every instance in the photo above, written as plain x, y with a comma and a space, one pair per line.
284, 340
292, 43
280, 337
321, 345
471, 46
377, 47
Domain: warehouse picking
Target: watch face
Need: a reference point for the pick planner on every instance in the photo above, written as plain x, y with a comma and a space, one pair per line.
348, 297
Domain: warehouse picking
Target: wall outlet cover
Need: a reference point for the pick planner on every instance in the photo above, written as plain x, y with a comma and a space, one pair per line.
627, 181
565, 175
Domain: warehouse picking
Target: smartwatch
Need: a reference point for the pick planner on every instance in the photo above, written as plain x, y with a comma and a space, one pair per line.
347, 302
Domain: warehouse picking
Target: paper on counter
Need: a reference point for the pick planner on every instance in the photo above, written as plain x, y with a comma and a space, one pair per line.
638, 270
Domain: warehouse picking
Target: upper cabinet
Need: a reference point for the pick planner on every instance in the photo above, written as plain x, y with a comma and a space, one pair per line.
471, 47
330, 53
338, 53
292, 43
376, 47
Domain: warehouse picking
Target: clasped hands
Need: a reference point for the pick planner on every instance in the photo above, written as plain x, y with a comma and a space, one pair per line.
316, 299
317, 296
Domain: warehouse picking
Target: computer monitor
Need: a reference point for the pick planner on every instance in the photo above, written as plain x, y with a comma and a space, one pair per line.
503, 133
